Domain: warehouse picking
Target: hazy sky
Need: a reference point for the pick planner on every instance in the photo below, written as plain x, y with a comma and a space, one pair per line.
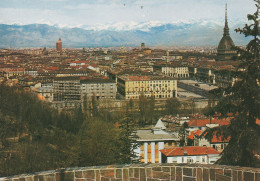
93, 12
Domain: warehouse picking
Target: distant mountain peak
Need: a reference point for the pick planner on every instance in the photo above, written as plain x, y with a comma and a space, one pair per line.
153, 33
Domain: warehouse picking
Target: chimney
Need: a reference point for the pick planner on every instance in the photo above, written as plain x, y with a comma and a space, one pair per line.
185, 152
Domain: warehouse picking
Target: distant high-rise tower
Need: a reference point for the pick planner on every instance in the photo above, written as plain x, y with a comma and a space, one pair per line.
59, 45
142, 46
225, 45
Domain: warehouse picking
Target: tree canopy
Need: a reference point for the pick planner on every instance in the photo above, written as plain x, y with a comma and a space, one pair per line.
242, 101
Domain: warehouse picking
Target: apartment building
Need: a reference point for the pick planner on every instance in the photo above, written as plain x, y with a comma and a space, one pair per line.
66, 92
9, 72
178, 72
69, 92
101, 88
160, 87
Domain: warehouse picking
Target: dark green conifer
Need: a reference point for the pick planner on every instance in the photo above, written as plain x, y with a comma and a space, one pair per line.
242, 101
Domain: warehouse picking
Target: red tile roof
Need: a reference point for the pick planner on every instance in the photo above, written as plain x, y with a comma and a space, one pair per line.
218, 139
203, 122
137, 78
190, 150
80, 61
53, 68
197, 132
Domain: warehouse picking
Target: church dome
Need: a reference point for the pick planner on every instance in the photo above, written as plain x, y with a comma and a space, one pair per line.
226, 43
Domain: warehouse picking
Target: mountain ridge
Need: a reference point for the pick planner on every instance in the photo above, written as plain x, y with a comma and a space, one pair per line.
153, 34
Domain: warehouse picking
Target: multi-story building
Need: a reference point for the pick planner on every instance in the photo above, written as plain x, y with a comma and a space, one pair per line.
65, 73
160, 87
178, 72
9, 72
101, 88
44, 91
69, 92
66, 92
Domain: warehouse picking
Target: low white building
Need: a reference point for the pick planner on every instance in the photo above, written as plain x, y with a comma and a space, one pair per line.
217, 142
151, 141
190, 154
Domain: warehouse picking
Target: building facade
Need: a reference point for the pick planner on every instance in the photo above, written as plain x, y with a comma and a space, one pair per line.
190, 154
151, 141
131, 87
177, 72
101, 88
66, 92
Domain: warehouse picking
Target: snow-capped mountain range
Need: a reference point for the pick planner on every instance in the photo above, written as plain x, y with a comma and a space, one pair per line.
153, 33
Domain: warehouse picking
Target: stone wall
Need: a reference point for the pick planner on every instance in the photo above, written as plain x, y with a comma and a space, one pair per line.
146, 172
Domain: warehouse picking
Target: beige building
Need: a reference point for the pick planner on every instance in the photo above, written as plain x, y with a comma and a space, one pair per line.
178, 72
101, 88
160, 87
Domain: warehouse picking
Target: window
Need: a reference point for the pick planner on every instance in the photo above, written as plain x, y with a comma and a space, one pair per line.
189, 160
203, 159
197, 159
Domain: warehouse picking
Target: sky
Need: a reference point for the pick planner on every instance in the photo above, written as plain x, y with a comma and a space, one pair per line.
87, 13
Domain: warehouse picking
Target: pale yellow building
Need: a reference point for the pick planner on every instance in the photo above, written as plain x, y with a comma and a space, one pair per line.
178, 72
160, 87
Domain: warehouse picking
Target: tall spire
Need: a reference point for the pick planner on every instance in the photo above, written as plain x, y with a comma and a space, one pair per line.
226, 29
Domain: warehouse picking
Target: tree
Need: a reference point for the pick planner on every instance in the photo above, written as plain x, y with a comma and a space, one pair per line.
242, 100
98, 143
127, 141
142, 109
172, 106
182, 133
94, 106
150, 110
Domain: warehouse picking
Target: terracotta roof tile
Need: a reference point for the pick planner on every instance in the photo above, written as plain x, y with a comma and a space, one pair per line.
192, 133
190, 150
218, 139
204, 122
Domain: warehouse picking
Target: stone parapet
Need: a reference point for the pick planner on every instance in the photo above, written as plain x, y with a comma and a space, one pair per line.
145, 172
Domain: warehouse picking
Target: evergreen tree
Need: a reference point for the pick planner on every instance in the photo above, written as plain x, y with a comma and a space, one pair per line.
182, 133
242, 100
98, 145
142, 109
126, 141
150, 110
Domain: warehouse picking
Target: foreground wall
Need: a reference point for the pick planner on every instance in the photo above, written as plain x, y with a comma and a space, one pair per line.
149, 172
